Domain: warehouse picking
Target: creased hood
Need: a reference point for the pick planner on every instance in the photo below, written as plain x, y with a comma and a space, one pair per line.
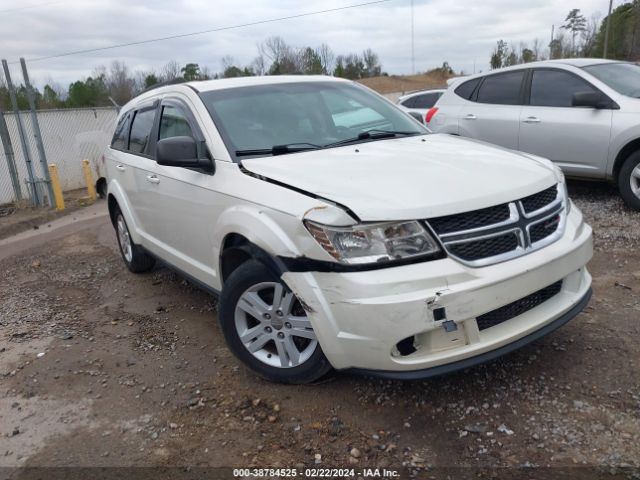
410, 178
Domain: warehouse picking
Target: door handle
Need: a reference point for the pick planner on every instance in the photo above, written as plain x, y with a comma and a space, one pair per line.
120, 168
470, 116
153, 179
532, 120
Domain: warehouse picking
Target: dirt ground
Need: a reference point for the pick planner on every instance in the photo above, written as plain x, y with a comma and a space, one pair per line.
406, 83
100, 368
16, 218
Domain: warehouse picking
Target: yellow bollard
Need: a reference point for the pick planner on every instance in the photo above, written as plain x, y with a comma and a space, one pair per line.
57, 189
88, 178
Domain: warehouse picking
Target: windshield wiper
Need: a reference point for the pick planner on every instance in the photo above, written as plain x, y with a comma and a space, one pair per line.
372, 134
279, 149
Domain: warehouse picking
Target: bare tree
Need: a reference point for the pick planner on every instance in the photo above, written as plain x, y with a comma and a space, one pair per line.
327, 58
170, 71
275, 49
589, 35
206, 73
371, 61
120, 85
227, 62
258, 65
537, 50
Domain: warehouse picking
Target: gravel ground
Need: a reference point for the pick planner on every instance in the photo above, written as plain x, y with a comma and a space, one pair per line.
100, 367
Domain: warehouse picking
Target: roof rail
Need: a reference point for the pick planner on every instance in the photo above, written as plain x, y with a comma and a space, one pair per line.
173, 81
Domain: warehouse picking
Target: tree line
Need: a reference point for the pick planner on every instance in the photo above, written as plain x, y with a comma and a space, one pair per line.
579, 36
117, 83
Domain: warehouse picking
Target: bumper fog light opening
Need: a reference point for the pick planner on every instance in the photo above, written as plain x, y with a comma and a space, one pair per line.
406, 346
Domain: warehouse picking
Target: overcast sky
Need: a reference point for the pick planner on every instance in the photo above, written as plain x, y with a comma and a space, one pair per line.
462, 32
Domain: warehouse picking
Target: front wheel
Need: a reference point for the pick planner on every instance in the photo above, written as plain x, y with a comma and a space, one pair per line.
629, 181
266, 327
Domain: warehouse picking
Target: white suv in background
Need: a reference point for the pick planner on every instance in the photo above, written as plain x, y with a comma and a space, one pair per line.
420, 102
338, 232
583, 114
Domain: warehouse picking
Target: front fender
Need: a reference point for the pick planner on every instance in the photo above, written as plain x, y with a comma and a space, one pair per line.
261, 226
619, 142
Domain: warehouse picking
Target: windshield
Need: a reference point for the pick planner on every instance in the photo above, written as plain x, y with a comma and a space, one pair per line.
303, 116
624, 78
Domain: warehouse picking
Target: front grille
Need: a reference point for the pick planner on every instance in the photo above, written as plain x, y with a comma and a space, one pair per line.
518, 307
538, 200
542, 230
470, 220
486, 247
489, 235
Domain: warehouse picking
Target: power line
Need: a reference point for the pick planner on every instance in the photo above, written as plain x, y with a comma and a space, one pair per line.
32, 6
202, 32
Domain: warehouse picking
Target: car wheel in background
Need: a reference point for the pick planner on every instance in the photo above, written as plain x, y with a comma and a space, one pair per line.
629, 181
137, 260
267, 328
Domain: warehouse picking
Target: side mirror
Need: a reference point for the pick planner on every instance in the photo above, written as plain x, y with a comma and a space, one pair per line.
180, 152
417, 116
589, 99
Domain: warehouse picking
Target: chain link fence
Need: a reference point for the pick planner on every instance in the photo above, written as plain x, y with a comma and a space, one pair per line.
68, 136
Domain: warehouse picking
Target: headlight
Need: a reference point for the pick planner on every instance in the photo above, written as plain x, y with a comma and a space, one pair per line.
372, 243
563, 187
559, 174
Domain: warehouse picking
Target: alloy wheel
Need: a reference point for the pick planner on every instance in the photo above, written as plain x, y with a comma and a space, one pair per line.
124, 239
273, 326
634, 179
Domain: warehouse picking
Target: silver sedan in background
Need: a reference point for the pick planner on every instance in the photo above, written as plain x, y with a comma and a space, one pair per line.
583, 114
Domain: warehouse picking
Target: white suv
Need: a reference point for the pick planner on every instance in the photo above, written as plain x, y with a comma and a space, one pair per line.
338, 232
583, 114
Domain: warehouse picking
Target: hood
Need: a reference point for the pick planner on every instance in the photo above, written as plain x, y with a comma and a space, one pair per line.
411, 177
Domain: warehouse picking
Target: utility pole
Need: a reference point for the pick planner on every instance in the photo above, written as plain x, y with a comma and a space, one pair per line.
413, 57
606, 31
26, 151
37, 134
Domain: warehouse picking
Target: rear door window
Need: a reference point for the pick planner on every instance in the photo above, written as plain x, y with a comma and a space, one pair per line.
141, 130
501, 89
555, 88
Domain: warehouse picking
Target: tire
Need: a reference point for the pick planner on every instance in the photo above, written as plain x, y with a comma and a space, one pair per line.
101, 188
136, 259
629, 181
285, 348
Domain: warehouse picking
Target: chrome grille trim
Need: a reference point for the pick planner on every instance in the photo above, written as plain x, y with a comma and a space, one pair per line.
519, 223
513, 217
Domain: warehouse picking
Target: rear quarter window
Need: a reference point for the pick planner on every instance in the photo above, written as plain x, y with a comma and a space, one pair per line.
467, 88
119, 140
427, 100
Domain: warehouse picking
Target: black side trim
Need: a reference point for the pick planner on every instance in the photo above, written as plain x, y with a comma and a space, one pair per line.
482, 358
305, 264
191, 279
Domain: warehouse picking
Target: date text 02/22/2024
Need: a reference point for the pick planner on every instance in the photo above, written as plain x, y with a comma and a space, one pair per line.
315, 473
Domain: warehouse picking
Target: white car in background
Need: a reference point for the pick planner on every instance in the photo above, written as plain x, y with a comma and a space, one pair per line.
338, 232
583, 114
420, 102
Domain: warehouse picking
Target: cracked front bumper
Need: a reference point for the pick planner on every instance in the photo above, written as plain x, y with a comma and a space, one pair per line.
359, 317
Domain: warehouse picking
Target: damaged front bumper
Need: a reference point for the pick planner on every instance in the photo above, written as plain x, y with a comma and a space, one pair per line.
364, 319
